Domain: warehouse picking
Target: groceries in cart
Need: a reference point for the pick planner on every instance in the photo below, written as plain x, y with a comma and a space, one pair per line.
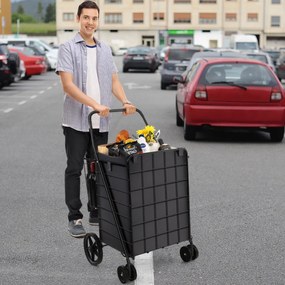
146, 140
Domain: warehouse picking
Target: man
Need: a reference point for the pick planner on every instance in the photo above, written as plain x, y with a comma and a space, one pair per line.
89, 79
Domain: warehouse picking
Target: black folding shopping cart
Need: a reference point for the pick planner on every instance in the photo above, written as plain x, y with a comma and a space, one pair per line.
143, 204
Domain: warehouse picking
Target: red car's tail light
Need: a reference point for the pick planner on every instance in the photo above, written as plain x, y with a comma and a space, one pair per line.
276, 96
201, 93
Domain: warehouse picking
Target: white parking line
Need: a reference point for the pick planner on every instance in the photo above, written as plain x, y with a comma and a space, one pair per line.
34, 96
144, 267
22, 102
8, 110
42, 91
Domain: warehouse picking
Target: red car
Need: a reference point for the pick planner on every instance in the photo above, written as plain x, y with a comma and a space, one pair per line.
34, 65
230, 92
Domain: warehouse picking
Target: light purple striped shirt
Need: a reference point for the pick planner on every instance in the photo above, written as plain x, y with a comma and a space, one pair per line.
72, 58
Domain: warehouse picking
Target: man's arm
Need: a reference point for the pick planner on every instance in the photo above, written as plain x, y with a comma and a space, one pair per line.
73, 91
119, 93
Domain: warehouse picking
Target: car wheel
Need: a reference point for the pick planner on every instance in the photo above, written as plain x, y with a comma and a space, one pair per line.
162, 86
276, 134
125, 69
189, 132
179, 121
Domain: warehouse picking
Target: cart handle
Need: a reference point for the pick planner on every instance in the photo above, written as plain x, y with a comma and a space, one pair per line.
115, 111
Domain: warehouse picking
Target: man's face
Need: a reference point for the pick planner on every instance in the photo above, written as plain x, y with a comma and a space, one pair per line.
88, 21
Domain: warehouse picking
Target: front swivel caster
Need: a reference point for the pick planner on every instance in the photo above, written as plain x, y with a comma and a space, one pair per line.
125, 275
189, 252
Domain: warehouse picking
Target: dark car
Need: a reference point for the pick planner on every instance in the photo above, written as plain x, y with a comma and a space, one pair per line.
172, 64
13, 62
274, 54
231, 92
5, 73
141, 57
280, 67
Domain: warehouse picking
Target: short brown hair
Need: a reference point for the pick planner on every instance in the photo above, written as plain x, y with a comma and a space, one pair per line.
88, 4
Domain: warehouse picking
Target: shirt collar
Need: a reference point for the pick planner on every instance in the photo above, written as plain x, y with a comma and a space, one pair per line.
79, 39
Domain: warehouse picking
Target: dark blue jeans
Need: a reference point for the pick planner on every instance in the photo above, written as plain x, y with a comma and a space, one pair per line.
77, 146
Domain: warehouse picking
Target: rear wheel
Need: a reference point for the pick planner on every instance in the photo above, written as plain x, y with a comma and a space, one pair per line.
276, 134
162, 86
189, 132
179, 121
125, 69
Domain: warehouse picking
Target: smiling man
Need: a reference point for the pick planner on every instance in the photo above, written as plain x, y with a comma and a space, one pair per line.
89, 79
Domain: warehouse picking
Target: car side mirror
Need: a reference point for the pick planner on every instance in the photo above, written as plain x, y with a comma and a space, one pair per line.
178, 79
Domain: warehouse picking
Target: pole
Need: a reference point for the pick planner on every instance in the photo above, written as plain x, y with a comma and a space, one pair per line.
18, 27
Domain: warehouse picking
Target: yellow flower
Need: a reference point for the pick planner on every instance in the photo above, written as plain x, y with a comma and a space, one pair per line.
148, 133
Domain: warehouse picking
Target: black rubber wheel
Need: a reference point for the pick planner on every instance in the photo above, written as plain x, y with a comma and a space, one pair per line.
189, 132
123, 274
133, 273
189, 252
163, 85
93, 249
125, 69
179, 121
185, 253
276, 134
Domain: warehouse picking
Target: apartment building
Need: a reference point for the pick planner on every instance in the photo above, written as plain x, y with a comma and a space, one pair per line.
210, 23
5, 17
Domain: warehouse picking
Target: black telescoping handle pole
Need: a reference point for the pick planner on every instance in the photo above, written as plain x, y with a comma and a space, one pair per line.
105, 182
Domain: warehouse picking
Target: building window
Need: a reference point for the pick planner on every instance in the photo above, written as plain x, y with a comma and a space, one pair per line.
113, 1
252, 17
207, 18
68, 16
182, 1
208, 1
113, 18
275, 1
182, 18
275, 21
137, 17
231, 17
158, 16
137, 1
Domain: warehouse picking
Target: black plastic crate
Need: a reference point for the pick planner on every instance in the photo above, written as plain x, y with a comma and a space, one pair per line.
151, 197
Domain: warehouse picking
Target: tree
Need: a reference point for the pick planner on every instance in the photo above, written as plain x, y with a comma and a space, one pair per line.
40, 11
20, 9
50, 13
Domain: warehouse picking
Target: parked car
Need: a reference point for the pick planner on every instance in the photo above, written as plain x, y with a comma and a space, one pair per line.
121, 51
5, 73
262, 56
141, 57
13, 62
280, 67
171, 65
50, 51
274, 54
34, 65
231, 92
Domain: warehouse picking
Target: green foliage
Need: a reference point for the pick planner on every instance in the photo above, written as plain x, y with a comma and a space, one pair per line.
40, 11
20, 9
23, 18
36, 29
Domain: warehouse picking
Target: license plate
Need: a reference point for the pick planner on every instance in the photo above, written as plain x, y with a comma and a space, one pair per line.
137, 58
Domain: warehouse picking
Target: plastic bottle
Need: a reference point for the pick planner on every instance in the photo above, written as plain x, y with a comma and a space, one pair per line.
163, 146
144, 145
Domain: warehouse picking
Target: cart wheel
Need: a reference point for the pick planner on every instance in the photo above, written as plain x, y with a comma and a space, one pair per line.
133, 273
189, 252
93, 248
123, 274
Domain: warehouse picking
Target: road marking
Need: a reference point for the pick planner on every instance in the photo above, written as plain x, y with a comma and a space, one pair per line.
132, 85
144, 267
22, 102
49, 88
42, 91
34, 96
8, 110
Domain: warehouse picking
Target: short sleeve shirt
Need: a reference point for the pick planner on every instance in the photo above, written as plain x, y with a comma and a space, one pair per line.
72, 58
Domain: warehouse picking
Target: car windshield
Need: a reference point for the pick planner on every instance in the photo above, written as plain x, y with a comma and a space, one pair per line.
259, 57
180, 54
238, 74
